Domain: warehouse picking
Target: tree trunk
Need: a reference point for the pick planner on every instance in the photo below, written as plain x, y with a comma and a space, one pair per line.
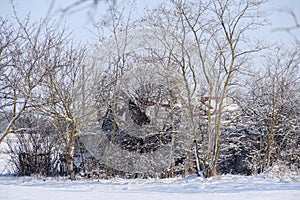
211, 172
70, 139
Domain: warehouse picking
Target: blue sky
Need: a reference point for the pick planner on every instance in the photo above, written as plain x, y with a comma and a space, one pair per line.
81, 24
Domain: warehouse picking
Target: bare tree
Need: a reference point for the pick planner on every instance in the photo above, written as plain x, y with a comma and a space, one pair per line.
22, 55
63, 91
208, 43
42, 70
113, 40
234, 19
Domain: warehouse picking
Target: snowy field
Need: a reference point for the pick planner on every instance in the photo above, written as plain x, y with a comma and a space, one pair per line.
221, 188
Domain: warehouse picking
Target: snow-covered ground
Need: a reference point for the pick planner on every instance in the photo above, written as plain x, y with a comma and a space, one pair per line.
221, 188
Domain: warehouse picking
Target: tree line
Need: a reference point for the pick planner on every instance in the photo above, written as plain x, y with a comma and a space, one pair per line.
167, 79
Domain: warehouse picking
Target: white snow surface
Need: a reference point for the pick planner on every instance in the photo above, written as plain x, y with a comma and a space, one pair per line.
227, 187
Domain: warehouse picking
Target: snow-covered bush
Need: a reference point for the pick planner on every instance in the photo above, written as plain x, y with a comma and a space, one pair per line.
271, 109
37, 148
